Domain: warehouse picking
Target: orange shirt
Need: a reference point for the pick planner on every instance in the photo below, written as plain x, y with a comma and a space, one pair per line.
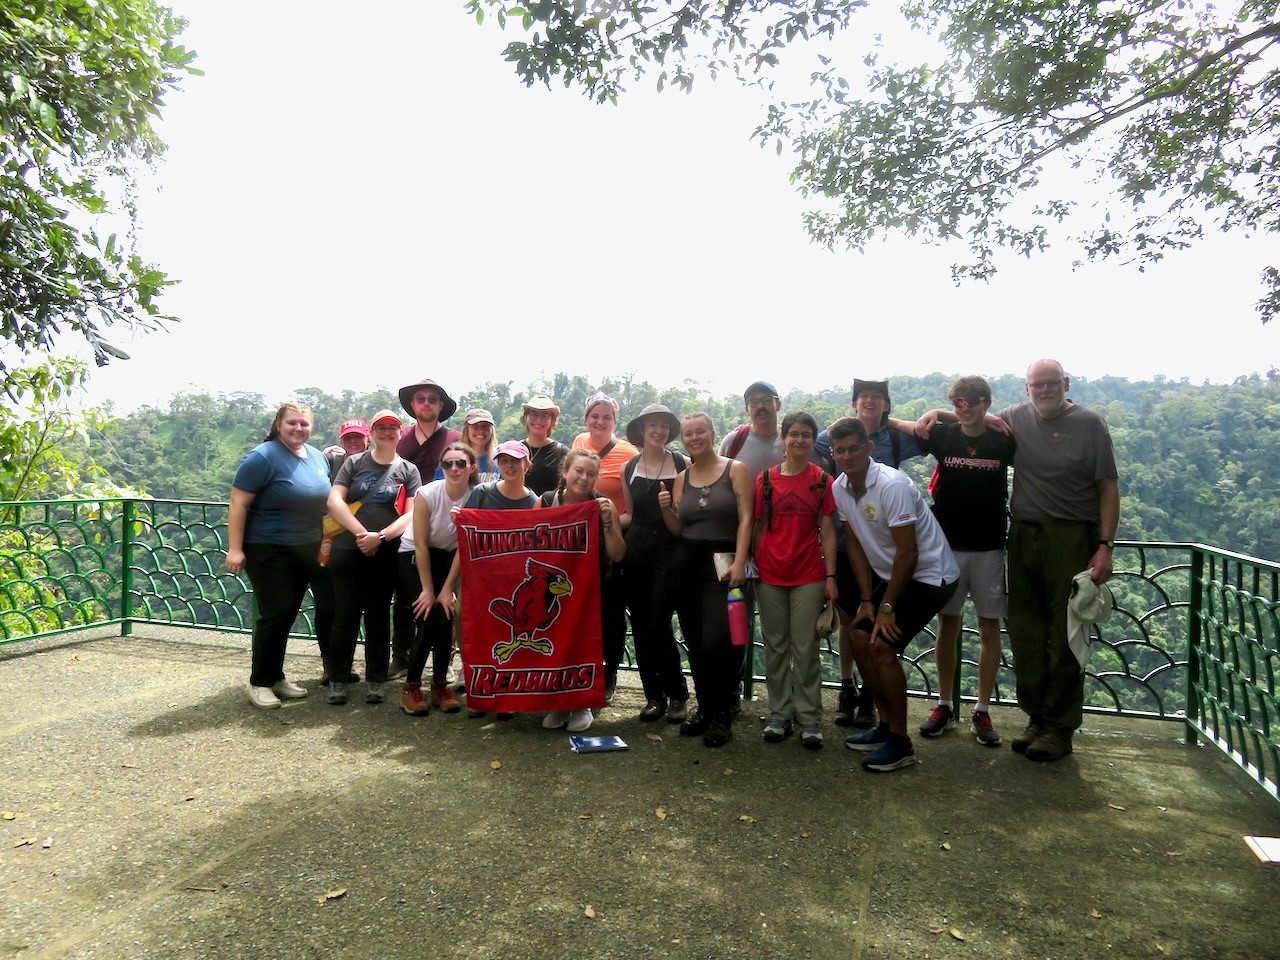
609, 483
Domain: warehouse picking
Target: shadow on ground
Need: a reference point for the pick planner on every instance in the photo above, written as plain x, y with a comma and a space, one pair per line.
170, 819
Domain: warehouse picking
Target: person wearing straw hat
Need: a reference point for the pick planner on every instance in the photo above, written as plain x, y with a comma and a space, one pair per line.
539, 415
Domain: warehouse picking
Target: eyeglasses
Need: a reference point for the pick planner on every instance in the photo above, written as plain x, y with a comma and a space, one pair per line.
962, 403
1044, 384
454, 464
757, 402
386, 426
704, 498
538, 415
430, 398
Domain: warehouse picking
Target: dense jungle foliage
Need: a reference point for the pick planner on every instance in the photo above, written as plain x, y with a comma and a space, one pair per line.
1197, 462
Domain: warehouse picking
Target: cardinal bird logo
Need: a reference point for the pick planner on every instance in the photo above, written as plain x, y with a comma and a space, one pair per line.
533, 606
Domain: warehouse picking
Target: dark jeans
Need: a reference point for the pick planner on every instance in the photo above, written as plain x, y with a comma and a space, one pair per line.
363, 585
1043, 557
433, 636
702, 604
322, 607
279, 575
651, 606
613, 621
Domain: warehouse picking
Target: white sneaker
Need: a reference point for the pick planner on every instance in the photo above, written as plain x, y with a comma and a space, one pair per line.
287, 690
555, 719
263, 698
580, 720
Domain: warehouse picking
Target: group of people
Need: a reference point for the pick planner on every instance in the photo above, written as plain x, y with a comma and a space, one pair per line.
794, 520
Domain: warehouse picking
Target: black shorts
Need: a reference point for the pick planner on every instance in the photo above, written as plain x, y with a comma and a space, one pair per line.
916, 606
847, 594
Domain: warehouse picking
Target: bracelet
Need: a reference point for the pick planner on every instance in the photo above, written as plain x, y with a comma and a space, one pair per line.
831, 576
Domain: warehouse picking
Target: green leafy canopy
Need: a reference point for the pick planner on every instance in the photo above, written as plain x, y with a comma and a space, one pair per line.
81, 82
1171, 107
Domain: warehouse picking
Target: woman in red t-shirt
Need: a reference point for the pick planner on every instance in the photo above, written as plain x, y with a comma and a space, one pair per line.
795, 549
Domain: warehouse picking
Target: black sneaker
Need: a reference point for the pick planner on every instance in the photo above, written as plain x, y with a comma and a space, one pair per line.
894, 754
865, 718
868, 740
695, 725
940, 721
397, 669
719, 732
847, 707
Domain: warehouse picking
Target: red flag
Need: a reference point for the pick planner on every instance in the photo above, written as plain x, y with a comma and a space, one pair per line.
531, 608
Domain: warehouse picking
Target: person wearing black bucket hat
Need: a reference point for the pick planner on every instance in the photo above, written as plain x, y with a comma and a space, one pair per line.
421, 443
647, 571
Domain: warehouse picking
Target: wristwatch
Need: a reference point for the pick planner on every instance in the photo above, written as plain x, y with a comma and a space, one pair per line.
382, 537
886, 608
1109, 544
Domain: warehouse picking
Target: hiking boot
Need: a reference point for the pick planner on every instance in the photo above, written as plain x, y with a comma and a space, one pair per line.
263, 698
984, 730
442, 698
940, 721
811, 736
412, 701
375, 692
287, 690
1051, 745
580, 720
865, 718
677, 711
847, 706
555, 719
397, 668
337, 694
719, 731
695, 725
474, 714
1026, 738
894, 754
775, 731
653, 710
869, 740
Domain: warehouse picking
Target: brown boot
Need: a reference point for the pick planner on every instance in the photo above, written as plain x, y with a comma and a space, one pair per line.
412, 701
442, 698
1051, 745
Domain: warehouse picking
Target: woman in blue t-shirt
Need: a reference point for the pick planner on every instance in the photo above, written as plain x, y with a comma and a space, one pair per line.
273, 534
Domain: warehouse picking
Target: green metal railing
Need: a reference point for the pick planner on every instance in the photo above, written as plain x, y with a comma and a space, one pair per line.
1194, 636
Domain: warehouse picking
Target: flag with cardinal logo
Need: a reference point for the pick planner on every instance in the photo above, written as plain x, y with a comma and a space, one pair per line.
531, 608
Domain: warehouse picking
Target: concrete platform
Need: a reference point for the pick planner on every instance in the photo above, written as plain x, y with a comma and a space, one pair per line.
171, 819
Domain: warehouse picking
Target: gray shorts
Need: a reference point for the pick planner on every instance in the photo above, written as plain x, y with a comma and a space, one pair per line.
982, 578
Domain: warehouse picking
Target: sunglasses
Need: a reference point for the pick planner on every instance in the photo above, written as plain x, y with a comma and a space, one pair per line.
961, 403
454, 464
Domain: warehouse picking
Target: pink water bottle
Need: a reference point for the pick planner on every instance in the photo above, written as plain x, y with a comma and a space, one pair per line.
739, 628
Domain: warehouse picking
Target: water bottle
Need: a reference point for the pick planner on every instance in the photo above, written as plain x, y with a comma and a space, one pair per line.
739, 628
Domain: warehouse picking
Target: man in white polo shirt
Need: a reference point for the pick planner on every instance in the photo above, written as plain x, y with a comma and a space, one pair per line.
905, 574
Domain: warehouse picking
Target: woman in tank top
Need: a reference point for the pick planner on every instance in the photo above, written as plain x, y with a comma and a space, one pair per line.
710, 509
427, 550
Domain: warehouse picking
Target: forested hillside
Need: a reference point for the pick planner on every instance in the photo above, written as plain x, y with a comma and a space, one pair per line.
1197, 463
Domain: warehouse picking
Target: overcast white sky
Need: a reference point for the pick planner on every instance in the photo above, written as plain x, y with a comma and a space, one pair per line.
356, 196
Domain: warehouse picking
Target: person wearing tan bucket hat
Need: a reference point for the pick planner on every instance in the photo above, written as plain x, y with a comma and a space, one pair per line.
421, 443
539, 415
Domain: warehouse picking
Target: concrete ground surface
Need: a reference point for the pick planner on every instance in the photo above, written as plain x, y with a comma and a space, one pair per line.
150, 811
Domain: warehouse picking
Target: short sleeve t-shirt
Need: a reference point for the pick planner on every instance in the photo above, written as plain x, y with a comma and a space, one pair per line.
289, 493
1059, 463
972, 487
361, 475
790, 553
892, 500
